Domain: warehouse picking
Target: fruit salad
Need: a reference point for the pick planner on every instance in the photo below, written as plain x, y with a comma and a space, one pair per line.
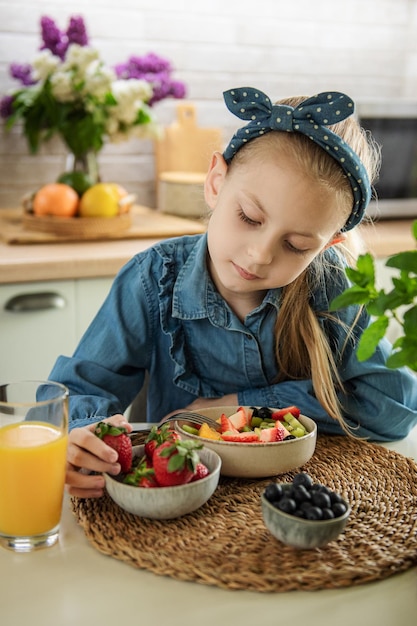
254, 425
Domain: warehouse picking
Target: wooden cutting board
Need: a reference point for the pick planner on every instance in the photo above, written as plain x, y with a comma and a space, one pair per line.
185, 146
146, 223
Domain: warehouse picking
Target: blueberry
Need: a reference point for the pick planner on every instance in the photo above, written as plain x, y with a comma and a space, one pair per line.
273, 492
286, 504
314, 513
321, 488
339, 508
335, 497
264, 412
327, 514
300, 494
303, 479
304, 506
321, 499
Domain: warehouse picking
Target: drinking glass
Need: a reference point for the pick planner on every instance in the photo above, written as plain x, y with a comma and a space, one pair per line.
33, 445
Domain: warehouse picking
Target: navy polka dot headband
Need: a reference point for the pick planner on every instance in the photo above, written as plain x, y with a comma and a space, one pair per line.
311, 118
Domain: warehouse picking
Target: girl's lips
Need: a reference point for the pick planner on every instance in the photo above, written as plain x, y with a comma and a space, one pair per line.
244, 274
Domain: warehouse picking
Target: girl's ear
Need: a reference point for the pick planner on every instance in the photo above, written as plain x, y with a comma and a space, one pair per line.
214, 179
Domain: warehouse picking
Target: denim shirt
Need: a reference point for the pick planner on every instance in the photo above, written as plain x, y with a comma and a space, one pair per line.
164, 316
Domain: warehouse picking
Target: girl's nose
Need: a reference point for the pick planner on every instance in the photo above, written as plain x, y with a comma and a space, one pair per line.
261, 253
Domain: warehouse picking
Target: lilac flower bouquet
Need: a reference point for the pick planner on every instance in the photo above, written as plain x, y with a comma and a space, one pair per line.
70, 92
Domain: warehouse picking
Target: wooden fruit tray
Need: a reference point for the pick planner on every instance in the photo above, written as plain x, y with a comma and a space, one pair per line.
80, 227
141, 223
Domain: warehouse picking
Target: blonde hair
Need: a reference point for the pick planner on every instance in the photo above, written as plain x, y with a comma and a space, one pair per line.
301, 344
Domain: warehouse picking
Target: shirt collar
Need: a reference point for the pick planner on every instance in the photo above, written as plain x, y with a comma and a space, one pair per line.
195, 296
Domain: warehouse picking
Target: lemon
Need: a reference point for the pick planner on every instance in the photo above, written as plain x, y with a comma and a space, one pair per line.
100, 200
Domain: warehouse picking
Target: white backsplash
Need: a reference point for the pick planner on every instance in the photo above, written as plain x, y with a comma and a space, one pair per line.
366, 48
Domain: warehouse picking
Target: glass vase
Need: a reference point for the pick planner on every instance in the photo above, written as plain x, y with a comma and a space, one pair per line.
86, 164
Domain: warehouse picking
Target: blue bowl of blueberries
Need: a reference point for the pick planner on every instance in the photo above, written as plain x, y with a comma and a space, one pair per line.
304, 514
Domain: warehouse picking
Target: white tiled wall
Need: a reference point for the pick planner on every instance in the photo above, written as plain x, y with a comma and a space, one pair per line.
367, 48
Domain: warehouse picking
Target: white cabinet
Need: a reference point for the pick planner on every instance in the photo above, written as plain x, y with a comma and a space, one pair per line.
41, 320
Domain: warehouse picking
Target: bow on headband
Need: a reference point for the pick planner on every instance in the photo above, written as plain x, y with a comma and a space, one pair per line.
311, 118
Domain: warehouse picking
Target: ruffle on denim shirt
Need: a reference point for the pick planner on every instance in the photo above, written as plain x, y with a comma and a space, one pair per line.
185, 306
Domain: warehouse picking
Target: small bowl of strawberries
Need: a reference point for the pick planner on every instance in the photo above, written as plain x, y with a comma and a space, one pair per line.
166, 477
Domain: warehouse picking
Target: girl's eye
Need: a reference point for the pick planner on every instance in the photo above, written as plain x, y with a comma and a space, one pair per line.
247, 219
294, 249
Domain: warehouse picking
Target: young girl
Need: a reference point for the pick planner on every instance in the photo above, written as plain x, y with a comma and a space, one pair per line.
240, 315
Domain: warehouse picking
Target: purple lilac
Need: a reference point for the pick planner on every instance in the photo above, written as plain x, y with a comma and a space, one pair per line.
53, 39
155, 70
137, 67
6, 106
23, 73
76, 31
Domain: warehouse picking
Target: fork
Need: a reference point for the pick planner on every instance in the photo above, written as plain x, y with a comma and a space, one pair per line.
188, 416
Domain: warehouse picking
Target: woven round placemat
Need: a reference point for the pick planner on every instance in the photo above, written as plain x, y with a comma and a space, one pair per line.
225, 543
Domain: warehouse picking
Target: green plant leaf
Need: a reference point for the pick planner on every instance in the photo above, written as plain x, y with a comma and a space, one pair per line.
404, 261
404, 357
352, 295
410, 323
371, 337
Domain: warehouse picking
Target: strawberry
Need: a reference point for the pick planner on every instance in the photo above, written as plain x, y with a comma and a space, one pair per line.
245, 437
281, 413
157, 436
201, 471
277, 433
239, 419
226, 425
175, 462
141, 476
117, 438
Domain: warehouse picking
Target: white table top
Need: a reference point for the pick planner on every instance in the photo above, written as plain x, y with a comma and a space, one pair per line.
72, 584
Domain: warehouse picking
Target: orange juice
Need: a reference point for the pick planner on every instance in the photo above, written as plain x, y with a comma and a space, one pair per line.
32, 476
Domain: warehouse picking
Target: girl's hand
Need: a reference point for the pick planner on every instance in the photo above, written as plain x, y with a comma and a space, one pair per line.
88, 454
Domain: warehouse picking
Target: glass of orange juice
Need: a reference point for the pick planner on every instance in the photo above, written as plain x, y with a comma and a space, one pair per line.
33, 446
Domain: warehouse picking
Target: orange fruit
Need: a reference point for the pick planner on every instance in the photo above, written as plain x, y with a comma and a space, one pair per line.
56, 199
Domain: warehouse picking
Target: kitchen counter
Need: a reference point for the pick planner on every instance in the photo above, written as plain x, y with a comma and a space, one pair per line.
72, 583
60, 261
38, 262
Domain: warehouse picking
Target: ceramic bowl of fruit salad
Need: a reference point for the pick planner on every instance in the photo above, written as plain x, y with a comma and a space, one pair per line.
255, 442
304, 514
167, 478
